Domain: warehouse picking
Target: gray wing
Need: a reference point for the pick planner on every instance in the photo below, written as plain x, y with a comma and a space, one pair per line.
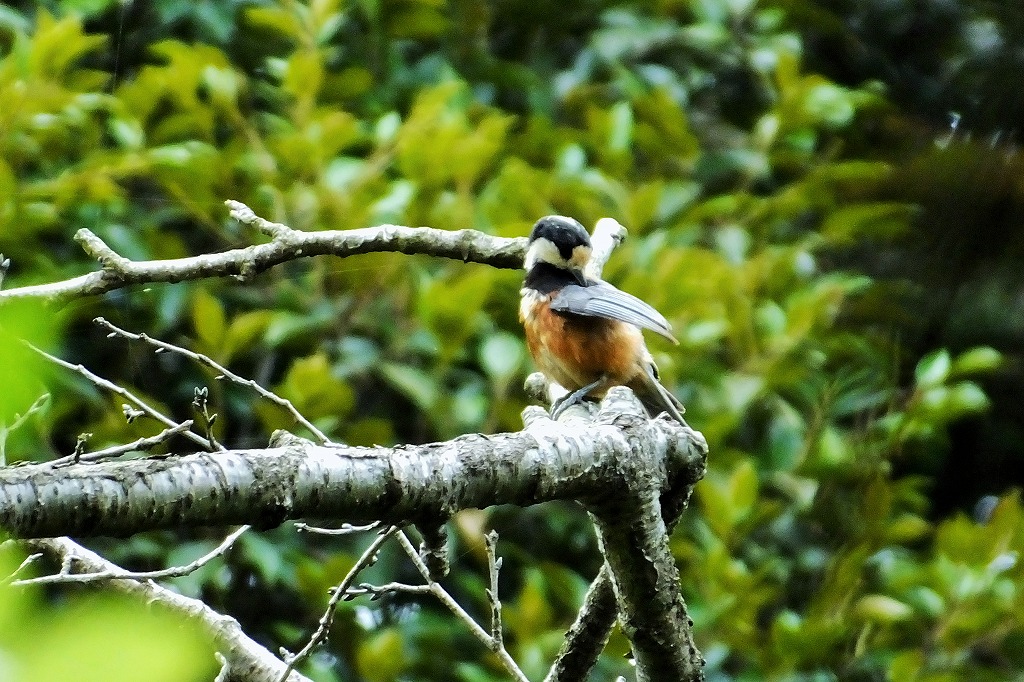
604, 300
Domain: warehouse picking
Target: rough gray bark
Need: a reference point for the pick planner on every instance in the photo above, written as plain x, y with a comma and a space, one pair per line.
297, 478
588, 635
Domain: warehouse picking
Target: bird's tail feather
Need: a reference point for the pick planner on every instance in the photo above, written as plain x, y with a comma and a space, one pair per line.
656, 398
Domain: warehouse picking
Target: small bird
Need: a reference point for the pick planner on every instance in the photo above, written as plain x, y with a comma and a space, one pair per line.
585, 334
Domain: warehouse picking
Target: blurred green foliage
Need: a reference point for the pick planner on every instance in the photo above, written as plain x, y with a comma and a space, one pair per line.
759, 196
92, 637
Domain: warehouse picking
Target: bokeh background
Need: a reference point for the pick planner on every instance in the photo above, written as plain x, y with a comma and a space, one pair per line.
824, 197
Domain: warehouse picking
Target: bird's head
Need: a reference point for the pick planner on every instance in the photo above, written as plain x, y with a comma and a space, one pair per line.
561, 242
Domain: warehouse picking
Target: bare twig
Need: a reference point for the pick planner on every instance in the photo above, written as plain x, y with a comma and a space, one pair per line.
29, 560
140, 444
495, 646
434, 547
5, 265
65, 575
223, 373
346, 529
200, 403
376, 591
19, 419
285, 245
338, 594
102, 383
608, 234
493, 566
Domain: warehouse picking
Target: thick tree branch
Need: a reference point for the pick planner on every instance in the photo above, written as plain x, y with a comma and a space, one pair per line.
588, 635
264, 487
285, 245
651, 609
244, 660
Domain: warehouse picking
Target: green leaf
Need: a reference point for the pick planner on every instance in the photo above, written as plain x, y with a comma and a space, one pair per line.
108, 639
209, 321
906, 528
880, 220
933, 369
966, 397
786, 437
413, 383
976, 361
739, 389
311, 385
263, 555
882, 609
620, 125
451, 307
829, 104
381, 658
743, 489
244, 331
501, 355
22, 370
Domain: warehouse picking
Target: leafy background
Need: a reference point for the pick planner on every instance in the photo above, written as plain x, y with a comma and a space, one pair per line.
841, 265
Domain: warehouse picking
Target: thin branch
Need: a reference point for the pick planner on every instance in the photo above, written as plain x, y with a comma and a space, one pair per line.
495, 646
376, 591
29, 560
345, 529
494, 566
139, 445
102, 383
223, 372
66, 576
608, 234
337, 595
588, 634
19, 419
285, 245
5, 265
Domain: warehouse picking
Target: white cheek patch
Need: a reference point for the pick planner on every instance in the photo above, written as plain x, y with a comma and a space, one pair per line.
580, 257
543, 251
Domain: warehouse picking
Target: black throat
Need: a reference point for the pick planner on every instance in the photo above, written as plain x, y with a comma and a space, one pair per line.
545, 278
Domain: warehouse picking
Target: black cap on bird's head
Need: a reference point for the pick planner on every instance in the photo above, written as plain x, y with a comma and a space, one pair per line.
564, 232
559, 241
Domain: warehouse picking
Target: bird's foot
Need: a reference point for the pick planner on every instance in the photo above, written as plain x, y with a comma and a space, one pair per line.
570, 399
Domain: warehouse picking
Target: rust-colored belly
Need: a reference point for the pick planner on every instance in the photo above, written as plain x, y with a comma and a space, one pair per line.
575, 350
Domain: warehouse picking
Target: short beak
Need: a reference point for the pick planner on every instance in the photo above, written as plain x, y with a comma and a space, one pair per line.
579, 277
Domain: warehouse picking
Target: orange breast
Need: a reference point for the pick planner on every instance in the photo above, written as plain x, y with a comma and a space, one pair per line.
574, 350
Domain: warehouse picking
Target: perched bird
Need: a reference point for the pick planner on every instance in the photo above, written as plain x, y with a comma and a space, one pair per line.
582, 333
